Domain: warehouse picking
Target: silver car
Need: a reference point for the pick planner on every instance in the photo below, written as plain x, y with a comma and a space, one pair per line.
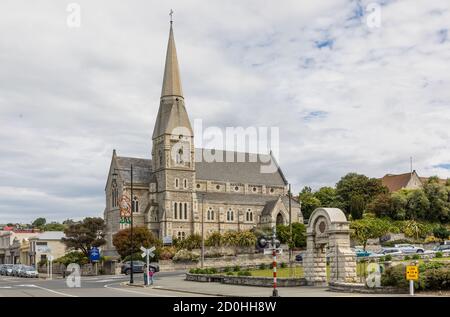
28, 271
409, 248
6, 269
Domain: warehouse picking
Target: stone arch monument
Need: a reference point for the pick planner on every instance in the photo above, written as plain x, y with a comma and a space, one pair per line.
328, 233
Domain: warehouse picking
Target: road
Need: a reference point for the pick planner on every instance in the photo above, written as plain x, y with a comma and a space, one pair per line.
91, 286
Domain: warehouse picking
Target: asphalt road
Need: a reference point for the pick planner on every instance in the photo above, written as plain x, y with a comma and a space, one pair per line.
91, 286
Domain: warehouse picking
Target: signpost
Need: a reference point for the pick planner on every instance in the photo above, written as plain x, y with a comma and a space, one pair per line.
50, 266
147, 253
412, 274
94, 256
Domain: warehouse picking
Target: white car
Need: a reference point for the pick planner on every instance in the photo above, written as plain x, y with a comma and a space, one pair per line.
409, 248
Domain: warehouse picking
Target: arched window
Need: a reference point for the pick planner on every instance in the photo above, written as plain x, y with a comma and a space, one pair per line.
210, 213
230, 215
185, 183
176, 182
114, 195
160, 158
280, 219
135, 205
185, 210
249, 215
179, 158
175, 211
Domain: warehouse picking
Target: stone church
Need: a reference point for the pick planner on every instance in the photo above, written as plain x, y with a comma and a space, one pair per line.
181, 184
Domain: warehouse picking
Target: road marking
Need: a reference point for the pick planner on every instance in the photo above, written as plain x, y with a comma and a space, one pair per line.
5, 287
47, 289
130, 291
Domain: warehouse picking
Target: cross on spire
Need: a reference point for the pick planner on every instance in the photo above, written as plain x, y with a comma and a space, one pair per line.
171, 16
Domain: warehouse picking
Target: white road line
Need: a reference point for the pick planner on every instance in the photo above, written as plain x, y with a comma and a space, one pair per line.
5, 287
48, 290
130, 291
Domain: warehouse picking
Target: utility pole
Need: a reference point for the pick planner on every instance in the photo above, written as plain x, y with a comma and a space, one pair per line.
131, 225
203, 234
274, 265
290, 232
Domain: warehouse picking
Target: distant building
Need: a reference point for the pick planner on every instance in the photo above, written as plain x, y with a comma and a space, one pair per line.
45, 244
10, 244
395, 182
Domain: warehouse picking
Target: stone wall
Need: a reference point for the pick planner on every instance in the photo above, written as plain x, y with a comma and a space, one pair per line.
242, 260
246, 280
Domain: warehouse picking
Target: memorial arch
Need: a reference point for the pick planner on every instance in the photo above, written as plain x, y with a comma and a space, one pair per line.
328, 233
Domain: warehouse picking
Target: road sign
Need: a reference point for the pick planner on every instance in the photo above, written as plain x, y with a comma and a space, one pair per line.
167, 240
147, 253
50, 258
412, 272
94, 254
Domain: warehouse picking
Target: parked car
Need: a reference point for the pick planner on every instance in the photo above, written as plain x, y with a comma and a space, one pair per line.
299, 257
409, 248
16, 269
362, 252
138, 267
6, 269
444, 248
391, 251
28, 271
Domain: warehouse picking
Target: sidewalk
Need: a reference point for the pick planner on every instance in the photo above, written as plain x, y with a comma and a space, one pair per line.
177, 283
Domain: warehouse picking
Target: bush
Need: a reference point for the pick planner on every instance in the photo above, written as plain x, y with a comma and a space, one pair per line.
194, 241
262, 266
388, 257
230, 273
244, 273
382, 259
186, 256
416, 257
436, 279
395, 276
73, 257
214, 240
228, 269
237, 268
283, 265
407, 257
167, 253
439, 254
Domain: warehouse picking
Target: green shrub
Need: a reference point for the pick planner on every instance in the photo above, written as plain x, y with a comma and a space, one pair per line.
192, 271
73, 257
439, 254
228, 269
262, 266
382, 259
236, 268
407, 257
186, 256
244, 273
283, 265
416, 257
395, 276
230, 273
388, 257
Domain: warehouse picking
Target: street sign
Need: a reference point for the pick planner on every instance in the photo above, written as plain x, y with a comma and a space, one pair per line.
147, 253
412, 272
94, 254
167, 240
50, 258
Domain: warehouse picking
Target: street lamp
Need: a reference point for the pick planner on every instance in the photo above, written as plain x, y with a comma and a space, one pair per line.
131, 218
203, 235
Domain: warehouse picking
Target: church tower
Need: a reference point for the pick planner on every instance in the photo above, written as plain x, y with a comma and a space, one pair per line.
173, 153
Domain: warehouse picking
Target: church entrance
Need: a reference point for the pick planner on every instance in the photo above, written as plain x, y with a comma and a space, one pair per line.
280, 219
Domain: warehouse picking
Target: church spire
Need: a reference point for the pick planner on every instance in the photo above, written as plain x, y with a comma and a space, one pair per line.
171, 82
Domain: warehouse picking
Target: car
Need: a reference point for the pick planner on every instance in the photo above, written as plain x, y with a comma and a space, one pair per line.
444, 248
409, 248
6, 269
362, 253
138, 267
28, 271
299, 257
391, 251
17, 269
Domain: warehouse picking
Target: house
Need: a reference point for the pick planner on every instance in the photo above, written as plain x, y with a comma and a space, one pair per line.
412, 180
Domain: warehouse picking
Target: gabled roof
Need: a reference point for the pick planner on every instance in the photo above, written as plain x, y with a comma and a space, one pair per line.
396, 182
142, 169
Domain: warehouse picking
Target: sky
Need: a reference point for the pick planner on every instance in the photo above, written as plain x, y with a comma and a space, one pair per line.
352, 86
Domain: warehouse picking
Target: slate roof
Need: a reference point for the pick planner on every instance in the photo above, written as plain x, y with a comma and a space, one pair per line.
142, 169
238, 170
243, 171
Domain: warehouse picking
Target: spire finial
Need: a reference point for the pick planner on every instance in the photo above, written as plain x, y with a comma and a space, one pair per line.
171, 16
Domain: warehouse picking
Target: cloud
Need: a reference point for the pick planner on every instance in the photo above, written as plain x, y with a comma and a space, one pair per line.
346, 97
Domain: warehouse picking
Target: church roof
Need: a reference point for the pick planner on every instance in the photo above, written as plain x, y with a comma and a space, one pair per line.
142, 169
234, 198
236, 171
395, 182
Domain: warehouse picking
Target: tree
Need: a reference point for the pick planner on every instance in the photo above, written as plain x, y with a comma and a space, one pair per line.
354, 184
399, 202
357, 206
438, 197
141, 237
39, 222
85, 234
381, 206
53, 226
298, 235
368, 228
417, 206
327, 197
308, 202
441, 232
